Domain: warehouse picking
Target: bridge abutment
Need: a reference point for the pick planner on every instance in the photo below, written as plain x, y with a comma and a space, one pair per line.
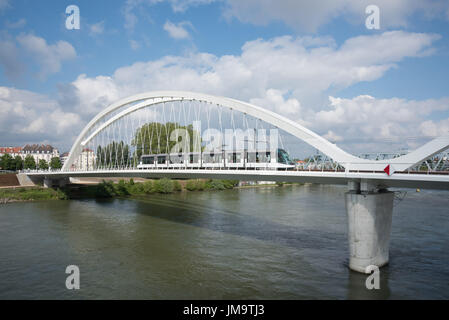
369, 225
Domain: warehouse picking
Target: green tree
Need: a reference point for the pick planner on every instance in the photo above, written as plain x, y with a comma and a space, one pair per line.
55, 163
115, 154
154, 138
43, 165
18, 163
7, 162
29, 162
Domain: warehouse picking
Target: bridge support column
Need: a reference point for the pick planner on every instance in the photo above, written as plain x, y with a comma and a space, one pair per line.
48, 183
369, 225
63, 182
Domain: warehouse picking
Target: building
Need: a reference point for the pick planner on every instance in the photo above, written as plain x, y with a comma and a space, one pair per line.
12, 151
85, 161
39, 152
64, 157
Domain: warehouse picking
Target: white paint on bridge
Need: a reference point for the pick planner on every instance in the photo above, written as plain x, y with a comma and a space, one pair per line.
381, 180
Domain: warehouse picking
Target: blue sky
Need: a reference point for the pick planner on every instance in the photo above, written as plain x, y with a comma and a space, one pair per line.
394, 79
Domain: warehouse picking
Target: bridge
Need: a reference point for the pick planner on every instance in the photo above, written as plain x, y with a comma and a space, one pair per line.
179, 134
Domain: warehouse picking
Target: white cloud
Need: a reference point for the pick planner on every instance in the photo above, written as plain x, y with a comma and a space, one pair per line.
49, 57
305, 68
129, 15
331, 136
97, 28
9, 60
183, 5
274, 99
14, 52
365, 121
4, 4
16, 25
133, 7
28, 117
177, 31
134, 44
308, 15
285, 74
93, 94
435, 128
289, 75
305, 15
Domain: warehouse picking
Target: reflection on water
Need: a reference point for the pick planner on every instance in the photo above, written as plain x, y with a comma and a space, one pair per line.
262, 243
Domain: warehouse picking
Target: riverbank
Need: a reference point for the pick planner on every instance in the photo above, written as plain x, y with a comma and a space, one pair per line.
108, 189
123, 188
30, 194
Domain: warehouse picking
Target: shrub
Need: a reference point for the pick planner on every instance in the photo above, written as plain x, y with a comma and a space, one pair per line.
215, 185
137, 188
61, 194
121, 189
200, 185
191, 185
148, 187
197, 185
229, 184
177, 186
163, 186
105, 190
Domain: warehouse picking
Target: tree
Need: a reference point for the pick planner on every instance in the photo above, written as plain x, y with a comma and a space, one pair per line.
18, 163
55, 163
154, 138
29, 162
115, 154
43, 165
6, 162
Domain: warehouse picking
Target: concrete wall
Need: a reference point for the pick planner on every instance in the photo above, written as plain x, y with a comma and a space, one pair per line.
25, 180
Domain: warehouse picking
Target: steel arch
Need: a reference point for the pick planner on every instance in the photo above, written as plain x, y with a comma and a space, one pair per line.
349, 161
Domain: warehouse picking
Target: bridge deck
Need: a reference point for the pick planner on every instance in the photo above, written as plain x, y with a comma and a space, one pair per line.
400, 180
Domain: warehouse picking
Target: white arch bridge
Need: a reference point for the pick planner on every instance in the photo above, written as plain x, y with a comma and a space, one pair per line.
179, 134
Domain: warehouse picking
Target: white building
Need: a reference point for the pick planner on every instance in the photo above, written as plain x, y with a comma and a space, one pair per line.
39, 152
85, 161
64, 157
12, 151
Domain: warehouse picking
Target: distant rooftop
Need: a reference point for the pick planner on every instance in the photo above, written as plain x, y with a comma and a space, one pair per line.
10, 149
38, 148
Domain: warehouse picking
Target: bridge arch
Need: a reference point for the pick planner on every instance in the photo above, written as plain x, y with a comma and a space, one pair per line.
148, 99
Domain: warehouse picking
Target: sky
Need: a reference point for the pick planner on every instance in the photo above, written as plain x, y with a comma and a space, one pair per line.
314, 62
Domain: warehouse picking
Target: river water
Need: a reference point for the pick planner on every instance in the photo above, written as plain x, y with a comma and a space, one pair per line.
259, 243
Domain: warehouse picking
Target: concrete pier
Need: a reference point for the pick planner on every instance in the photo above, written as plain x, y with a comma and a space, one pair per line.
369, 225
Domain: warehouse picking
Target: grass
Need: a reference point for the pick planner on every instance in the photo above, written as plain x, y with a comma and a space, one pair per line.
31, 194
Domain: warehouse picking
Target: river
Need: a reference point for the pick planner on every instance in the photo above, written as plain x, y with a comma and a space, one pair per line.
258, 243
